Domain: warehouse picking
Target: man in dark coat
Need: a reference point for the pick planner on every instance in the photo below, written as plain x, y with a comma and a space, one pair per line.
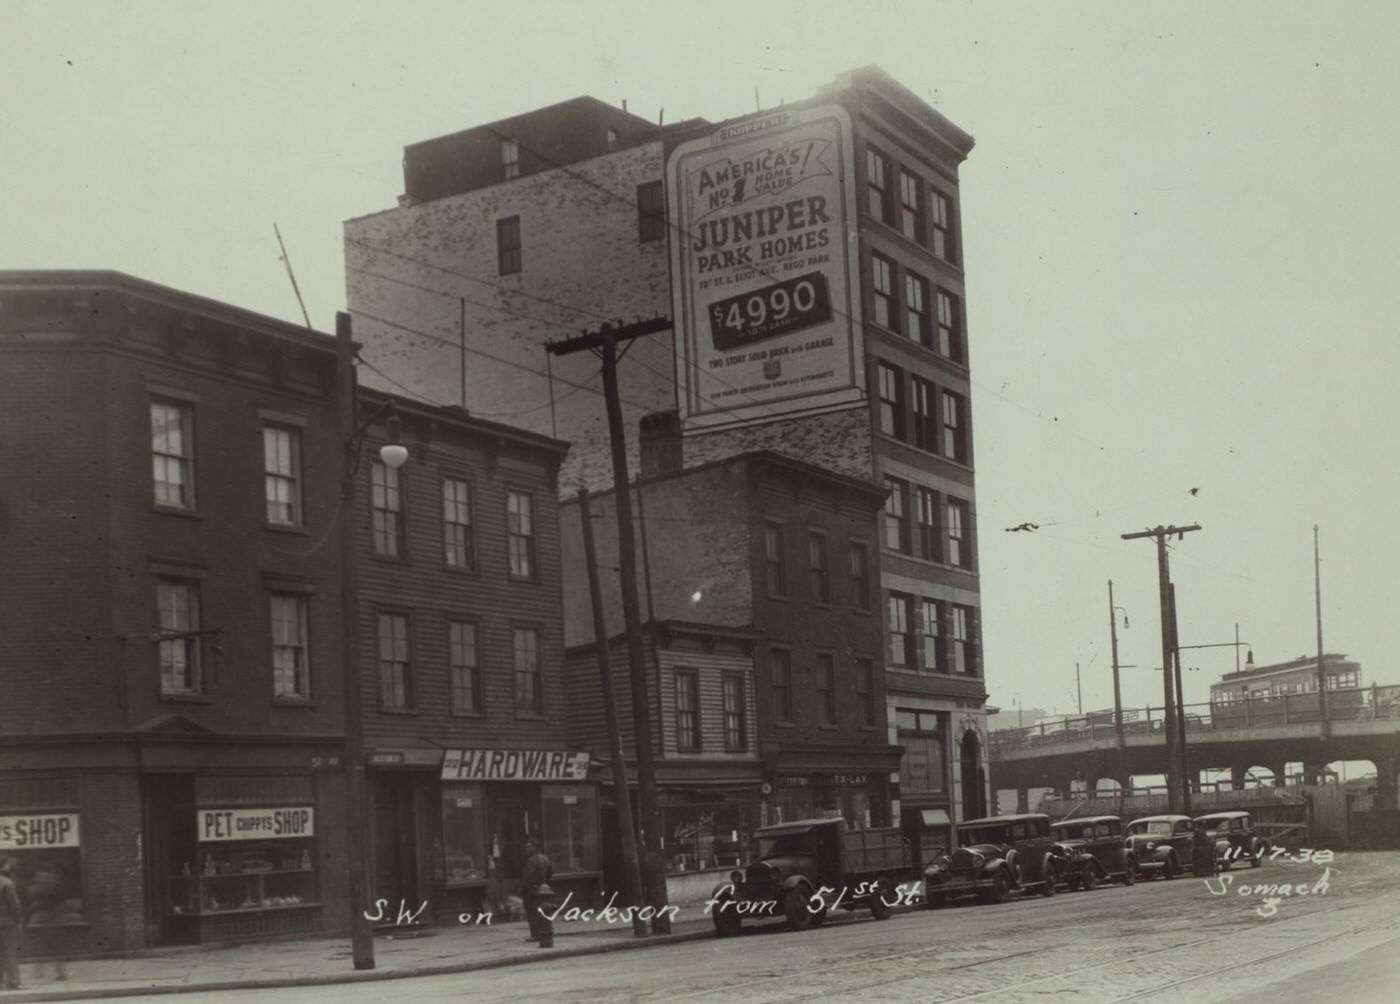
11, 920
536, 873
1202, 853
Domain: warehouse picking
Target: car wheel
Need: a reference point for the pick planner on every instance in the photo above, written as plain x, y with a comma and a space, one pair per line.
1087, 878
799, 917
726, 917
999, 891
1047, 887
1129, 873
880, 907
1258, 860
819, 917
1171, 868
933, 898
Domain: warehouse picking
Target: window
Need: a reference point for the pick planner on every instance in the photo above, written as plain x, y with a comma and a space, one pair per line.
916, 320
860, 575
291, 666
921, 735
897, 516
774, 560
865, 690
954, 432
464, 668
949, 340
529, 686
899, 620
826, 688
942, 226
612, 138
959, 546
171, 442
386, 501
911, 210
926, 522
925, 415
520, 531
930, 630
177, 605
458, 543
882, 283
891, 400
508, 245
687, 710
877, 178
282, 474
736, 729
395, 671
651, 213
510, 159
780, 663
964, 654
820, 567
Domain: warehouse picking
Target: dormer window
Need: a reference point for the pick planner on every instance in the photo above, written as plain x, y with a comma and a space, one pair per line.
510, 159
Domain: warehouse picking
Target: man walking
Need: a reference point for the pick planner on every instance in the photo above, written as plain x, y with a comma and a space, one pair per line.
536, 874
11, 920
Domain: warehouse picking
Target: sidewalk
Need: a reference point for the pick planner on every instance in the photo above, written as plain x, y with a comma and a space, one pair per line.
316, 961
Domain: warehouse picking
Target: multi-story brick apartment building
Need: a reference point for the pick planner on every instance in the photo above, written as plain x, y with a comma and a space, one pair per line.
171, 718
819, 311
762, 646
460, 624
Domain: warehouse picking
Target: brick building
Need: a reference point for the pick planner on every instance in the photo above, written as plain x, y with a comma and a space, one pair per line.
819, 310
762, 647
172, 711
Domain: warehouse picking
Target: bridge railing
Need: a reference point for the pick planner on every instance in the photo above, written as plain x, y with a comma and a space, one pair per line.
1352, 704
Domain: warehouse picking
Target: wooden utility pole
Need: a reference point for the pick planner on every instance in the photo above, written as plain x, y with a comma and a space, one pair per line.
1175, 769
604, 342
626, 829
1321, 668
1117, 689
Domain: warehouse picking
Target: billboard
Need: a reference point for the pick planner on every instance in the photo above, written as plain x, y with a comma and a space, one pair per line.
765, 281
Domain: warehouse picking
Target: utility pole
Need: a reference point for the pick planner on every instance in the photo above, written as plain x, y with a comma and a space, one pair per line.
1321, 668
1182, 758
627, 831
1174, 771
604, 343
1078, 691
1117, 689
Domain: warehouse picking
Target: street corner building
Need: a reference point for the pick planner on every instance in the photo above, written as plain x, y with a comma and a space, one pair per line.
809, 258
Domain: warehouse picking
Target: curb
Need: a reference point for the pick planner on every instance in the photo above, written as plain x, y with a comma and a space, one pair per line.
361, 976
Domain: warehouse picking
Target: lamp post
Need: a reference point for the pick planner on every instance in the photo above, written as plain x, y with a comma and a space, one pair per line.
392, 454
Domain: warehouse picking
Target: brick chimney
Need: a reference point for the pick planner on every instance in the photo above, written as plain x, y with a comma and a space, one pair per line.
660, 444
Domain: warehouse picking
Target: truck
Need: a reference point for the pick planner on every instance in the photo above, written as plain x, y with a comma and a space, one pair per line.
804, 869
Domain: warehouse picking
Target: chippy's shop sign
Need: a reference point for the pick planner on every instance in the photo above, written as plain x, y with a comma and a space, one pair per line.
766, 297
514, 765
30, 832
255, 824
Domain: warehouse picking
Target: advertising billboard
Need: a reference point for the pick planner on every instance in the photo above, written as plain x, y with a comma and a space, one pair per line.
765, 280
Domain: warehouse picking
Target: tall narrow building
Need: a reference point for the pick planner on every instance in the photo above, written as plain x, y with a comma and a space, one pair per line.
810, 258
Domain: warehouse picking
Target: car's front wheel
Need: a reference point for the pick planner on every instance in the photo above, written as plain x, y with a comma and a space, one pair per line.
1129, 872
1170, 869
795, 908
1088, 878
1000, 889
1047, 888
881, 901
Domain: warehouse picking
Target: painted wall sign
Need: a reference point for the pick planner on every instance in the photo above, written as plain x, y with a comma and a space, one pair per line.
27, 832
214, 825
766, 295
514, 765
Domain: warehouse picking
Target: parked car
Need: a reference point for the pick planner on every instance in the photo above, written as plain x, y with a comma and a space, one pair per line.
995, 857
1235, 839
806, 868
1159, 844
1094, 851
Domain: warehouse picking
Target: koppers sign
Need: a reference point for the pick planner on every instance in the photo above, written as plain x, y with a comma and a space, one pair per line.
766, 289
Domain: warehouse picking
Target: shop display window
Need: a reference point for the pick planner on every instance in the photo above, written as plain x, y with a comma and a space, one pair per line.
231, 867
706, 836
464, 833
571, 827
50, 884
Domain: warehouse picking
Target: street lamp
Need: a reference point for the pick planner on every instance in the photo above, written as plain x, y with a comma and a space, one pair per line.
393, 454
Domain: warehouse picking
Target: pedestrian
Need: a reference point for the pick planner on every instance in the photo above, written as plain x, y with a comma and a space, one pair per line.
535, 875
1202, 853
11, 920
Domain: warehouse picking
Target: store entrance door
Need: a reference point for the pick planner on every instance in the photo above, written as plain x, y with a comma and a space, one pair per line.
510, 823
171, 854
395, 860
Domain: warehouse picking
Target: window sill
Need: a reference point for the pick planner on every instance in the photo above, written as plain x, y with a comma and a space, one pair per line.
391, 559
295, 529
460, 569
780, 597
170, 510
284, 701
524, 580
186, 698
407, 712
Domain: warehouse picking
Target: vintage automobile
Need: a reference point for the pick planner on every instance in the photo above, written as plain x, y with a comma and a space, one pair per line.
1094, 851
1160, 845
995, 857
808, 867
1235, 839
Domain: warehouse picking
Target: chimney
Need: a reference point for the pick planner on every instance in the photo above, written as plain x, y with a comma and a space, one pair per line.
660, 444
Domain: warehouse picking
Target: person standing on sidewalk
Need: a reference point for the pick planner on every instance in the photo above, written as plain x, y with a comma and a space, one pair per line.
11, 920
535, 874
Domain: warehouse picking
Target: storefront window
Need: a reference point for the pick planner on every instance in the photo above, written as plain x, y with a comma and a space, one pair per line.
706, 836
571, 827
463, 833
249, 859
48, 866
924, 766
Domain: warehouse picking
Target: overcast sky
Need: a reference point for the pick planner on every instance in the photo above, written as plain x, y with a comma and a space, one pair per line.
1180, 229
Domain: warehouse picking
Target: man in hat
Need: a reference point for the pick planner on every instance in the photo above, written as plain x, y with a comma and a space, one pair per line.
536, 873
11, 920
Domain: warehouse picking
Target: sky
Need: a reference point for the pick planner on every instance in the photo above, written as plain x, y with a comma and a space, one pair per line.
1181, 223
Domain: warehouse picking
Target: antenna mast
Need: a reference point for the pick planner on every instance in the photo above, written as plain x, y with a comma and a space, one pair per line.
291, 275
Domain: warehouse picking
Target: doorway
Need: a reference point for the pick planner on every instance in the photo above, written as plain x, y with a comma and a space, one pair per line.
171, 853
974, 802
